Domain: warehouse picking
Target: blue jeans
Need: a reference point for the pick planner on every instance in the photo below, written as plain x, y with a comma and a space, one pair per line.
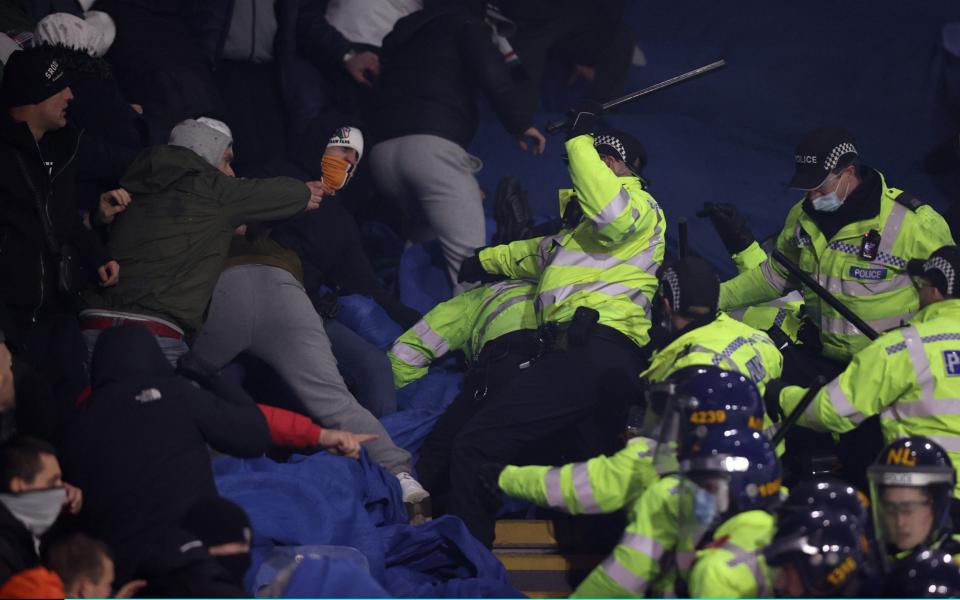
364, 367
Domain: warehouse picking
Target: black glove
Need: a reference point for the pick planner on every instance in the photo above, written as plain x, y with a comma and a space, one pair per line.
471, 270
771, 399
730, 224
583, 120
491, 495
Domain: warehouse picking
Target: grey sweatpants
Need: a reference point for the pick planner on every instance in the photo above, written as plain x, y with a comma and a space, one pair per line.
265, 311
439, 175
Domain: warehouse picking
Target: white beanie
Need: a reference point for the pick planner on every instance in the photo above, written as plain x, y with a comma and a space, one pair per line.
348, 137
91, 36
207, 137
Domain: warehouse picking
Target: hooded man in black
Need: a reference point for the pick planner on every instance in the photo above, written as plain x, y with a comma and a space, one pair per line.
138, 446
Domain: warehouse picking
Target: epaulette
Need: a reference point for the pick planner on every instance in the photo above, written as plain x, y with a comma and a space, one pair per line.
909, 200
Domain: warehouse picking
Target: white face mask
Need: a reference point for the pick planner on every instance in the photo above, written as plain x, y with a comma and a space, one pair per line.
828, 202
36, 509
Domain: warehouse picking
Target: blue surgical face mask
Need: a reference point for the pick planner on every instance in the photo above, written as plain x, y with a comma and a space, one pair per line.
704, 506
828, 202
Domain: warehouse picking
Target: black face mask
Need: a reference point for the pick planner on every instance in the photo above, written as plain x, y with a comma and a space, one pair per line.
236, 564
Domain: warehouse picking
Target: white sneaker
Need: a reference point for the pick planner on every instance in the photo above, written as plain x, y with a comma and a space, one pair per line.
415, 499
413, 492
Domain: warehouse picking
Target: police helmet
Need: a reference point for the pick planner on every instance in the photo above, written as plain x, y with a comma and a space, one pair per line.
724, 473
925, 574
911, 489
818, 553
695, 400
826, 493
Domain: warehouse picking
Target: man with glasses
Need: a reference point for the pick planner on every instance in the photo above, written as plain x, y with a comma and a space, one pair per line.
910, 376
912, 486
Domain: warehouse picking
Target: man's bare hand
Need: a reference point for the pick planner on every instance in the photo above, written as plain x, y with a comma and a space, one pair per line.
131, 588
532, 136
113, 203
74, 500
364, 67
343, 442
316, 194
109, 273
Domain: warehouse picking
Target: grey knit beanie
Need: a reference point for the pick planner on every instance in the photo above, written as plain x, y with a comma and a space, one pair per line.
207, 137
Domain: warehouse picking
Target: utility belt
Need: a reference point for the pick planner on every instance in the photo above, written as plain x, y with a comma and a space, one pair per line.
511, 351
578, 331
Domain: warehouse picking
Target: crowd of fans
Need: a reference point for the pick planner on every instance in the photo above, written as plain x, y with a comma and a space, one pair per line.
174, 184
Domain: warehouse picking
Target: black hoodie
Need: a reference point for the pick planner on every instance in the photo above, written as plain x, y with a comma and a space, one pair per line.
138, 446
435, 63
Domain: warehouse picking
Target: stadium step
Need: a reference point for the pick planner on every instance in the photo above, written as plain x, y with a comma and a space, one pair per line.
535, 562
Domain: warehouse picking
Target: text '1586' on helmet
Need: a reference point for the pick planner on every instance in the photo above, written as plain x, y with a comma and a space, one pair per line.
827, 548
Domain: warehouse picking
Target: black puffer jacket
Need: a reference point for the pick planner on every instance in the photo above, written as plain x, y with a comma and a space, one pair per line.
138, 446
433, 66
38, 215
17, 551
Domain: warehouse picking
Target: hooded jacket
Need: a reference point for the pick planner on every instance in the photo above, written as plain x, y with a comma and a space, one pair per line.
138, 446
434, 65
38, 216
173, 238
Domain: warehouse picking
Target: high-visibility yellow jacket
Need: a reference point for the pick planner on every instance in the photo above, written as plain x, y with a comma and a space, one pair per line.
732, 566
909, 376
607, 262
465, 322
600, 485
642, 562
879, 291
725, 343
783, 312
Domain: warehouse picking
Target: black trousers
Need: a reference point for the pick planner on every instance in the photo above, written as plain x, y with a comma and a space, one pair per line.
810, 452
582, 389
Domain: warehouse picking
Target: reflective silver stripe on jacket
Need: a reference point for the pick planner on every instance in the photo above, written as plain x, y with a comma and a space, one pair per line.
852, 287
742, 557
583, 489
838, 398
557, 295
778, 282
927, 405
431, 338
643, 544
609, 213
717, 357
623, 576
554, 492
499, 311
410, 355
840, 326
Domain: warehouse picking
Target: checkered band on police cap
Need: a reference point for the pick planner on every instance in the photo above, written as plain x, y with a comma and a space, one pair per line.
937, 263
838, 151
940, 269
613, 142
670, 277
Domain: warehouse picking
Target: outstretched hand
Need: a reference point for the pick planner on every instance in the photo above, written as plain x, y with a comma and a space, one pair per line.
344, 443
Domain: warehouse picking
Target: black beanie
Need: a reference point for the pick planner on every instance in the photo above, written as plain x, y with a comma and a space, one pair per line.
689, 282
31, 76
217, 521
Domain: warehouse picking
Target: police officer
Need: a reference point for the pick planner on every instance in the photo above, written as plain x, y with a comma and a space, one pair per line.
686, 303
911, 490
855, 235
909, 376
495, 325
705, 397
817, 553
595, 285
925, 574
729, 488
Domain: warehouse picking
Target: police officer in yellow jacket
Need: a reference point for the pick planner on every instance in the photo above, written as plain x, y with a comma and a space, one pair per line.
910, 376
495, 325
700, 398
594, 290
686, 304
730, 486
852, 233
